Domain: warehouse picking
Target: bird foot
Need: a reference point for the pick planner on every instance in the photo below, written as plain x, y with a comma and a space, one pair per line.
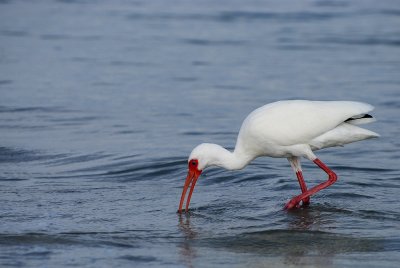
295, 203
292, 204
305, 202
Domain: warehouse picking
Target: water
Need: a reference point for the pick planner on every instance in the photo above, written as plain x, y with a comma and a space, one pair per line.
101, 104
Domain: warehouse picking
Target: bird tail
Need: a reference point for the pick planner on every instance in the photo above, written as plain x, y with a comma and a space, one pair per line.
343, 134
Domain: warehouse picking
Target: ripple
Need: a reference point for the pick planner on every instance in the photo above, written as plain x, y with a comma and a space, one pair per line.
330, 3
169, 16
207, 42
185, 79
54, 37
367, 41
276, 242
204, 133
296, 47
128, 168
121, 63
13, 179
94, 239
71, 159
14, 33
378, 215
222, 177
5, 109
34, 238
200, 63
255, 177
366, 169
15, 155
375, 185
5, 82
219, 208
393, 12
40, 253
302, 16
232, 16
138, 258
63, 37
350, 196
391, 103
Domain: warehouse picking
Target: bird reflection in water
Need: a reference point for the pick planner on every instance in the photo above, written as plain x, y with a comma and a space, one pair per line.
307, 247
303, 237
305, 219
187, 251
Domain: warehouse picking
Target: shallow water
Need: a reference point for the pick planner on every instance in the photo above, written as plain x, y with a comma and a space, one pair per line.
102, 103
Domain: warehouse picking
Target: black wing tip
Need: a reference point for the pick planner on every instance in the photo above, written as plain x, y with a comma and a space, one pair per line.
359, 117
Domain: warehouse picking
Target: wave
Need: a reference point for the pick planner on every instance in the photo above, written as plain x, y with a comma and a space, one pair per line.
232, 16
364, 41
39, 109
301, 16
206, 42
69, 239
5, 82
367, 169
347, 195
277, 242
17, 155
62, 160
122, 169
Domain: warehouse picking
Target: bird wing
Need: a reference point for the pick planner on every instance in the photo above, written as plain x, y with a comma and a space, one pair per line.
299, 121
341, 135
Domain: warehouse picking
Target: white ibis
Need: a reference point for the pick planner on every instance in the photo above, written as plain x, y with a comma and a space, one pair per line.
290, 129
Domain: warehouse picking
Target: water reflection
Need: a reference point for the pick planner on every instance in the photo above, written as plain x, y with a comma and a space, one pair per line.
305, 219
299, 239
187, 251
304, 251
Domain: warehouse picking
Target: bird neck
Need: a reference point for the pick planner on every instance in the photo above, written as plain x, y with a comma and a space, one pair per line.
231, 160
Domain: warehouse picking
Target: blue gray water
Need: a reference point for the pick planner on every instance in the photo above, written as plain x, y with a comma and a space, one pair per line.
101, 103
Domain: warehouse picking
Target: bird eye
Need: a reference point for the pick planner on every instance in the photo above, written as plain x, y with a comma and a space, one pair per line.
193, 163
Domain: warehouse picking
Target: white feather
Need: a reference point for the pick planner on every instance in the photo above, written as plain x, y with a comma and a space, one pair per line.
290, 129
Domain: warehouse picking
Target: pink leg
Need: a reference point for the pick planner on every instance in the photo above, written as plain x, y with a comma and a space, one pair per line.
306, 201
332, 178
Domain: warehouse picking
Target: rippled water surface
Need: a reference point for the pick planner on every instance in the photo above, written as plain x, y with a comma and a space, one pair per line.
101, 103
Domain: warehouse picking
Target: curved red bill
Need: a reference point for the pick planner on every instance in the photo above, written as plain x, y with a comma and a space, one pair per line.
191, 179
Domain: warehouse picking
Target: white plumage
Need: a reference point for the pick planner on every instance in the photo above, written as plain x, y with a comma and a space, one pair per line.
273, 129
289, 129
